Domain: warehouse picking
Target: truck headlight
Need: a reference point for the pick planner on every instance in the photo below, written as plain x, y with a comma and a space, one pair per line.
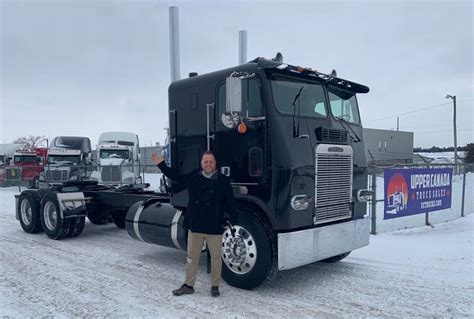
300, 202
364, 195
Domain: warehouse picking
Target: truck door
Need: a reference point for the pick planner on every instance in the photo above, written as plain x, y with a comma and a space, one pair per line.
192, 115
242, 152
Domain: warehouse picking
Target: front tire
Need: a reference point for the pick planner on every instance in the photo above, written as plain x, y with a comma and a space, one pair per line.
54, 226
29, 211
249, 257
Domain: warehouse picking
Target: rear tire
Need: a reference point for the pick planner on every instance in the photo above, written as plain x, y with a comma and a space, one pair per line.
98, 215
335, 259
54, 226
29, 211
118, 217
76, 227
250, 267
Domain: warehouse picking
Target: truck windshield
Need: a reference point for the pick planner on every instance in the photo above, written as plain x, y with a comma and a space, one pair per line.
25, 159
57, 159
311, 102
123, 154
344, 105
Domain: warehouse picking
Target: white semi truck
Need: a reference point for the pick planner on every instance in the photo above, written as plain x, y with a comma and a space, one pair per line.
118, 155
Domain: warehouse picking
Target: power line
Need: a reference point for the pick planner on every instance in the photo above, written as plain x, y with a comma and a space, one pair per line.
447, 131
440, 125
414, 111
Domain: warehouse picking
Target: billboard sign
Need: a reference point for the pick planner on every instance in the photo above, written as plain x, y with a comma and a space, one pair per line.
410, 191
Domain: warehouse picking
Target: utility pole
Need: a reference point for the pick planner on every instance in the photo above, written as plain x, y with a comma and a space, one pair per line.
398, 123
453, 97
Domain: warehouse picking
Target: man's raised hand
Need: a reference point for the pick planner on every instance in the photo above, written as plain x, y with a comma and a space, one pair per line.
157, 159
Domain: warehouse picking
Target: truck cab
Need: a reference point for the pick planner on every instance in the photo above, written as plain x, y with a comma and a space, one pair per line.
25, 167
118, 158
68, 159
290, 139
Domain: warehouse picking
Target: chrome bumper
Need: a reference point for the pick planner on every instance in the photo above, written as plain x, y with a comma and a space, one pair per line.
307, 246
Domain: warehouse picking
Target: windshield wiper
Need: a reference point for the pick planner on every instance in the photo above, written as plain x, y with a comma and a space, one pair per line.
355, 139
296, 130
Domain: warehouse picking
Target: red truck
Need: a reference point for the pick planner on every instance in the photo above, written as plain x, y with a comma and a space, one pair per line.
25, 167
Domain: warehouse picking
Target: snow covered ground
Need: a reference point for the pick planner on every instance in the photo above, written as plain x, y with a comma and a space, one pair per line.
417, 272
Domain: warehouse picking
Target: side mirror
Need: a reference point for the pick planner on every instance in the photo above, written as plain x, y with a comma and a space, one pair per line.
233, 87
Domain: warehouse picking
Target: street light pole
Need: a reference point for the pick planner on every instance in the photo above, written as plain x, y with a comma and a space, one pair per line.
453, 97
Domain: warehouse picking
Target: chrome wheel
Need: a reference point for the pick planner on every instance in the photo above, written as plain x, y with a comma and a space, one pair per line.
50, 215
26, 212
239, 251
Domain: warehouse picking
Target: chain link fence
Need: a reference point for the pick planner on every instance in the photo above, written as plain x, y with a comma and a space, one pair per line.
462, 198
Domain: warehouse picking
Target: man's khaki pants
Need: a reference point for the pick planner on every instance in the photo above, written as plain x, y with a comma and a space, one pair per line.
195, 244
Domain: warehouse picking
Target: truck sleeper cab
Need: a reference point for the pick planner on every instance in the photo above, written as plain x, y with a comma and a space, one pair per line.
291, 141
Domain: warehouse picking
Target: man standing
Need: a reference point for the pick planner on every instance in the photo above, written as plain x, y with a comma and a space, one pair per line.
211, 206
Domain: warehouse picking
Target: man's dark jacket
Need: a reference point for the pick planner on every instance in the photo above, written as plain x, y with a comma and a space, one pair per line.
211, 200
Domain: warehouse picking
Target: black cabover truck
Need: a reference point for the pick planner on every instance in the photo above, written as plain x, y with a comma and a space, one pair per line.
290, 139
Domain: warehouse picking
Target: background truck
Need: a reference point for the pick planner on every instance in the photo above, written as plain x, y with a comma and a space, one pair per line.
6, 155
118, 155
25, 167
69, 157
291, 141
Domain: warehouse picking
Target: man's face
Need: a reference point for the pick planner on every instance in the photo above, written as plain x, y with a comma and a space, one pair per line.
208, 163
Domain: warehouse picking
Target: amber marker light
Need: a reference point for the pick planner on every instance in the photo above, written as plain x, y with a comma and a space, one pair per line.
242, 128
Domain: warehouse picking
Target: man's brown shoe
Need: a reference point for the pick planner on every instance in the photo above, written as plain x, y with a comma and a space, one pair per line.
215, 291
183, 290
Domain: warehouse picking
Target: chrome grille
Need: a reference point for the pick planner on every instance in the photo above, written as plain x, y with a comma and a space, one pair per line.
57, 175
333, 183
13, 173
111, 174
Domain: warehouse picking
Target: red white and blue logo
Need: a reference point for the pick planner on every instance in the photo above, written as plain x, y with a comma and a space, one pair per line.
410, 191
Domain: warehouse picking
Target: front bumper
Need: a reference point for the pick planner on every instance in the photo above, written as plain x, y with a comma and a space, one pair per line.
307, 246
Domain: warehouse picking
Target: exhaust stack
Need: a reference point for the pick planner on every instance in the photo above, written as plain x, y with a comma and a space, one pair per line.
242, 47
174, 43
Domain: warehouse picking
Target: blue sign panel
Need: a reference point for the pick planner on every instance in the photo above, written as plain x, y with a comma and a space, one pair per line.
410, 191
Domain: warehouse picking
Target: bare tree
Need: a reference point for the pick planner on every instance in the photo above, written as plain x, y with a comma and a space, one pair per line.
31, 141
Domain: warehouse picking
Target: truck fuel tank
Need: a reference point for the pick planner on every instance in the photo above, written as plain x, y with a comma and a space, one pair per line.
157, 223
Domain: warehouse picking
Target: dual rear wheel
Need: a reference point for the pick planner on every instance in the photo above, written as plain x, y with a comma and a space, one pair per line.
38, 214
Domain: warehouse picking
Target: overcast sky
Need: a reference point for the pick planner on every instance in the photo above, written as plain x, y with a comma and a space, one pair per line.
85, 67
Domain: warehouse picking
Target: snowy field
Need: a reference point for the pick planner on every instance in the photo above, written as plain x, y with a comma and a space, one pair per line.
442, 157
419, 272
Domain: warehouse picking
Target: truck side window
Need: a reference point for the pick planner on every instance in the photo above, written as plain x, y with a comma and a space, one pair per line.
344, 105
255, 162
251, 98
